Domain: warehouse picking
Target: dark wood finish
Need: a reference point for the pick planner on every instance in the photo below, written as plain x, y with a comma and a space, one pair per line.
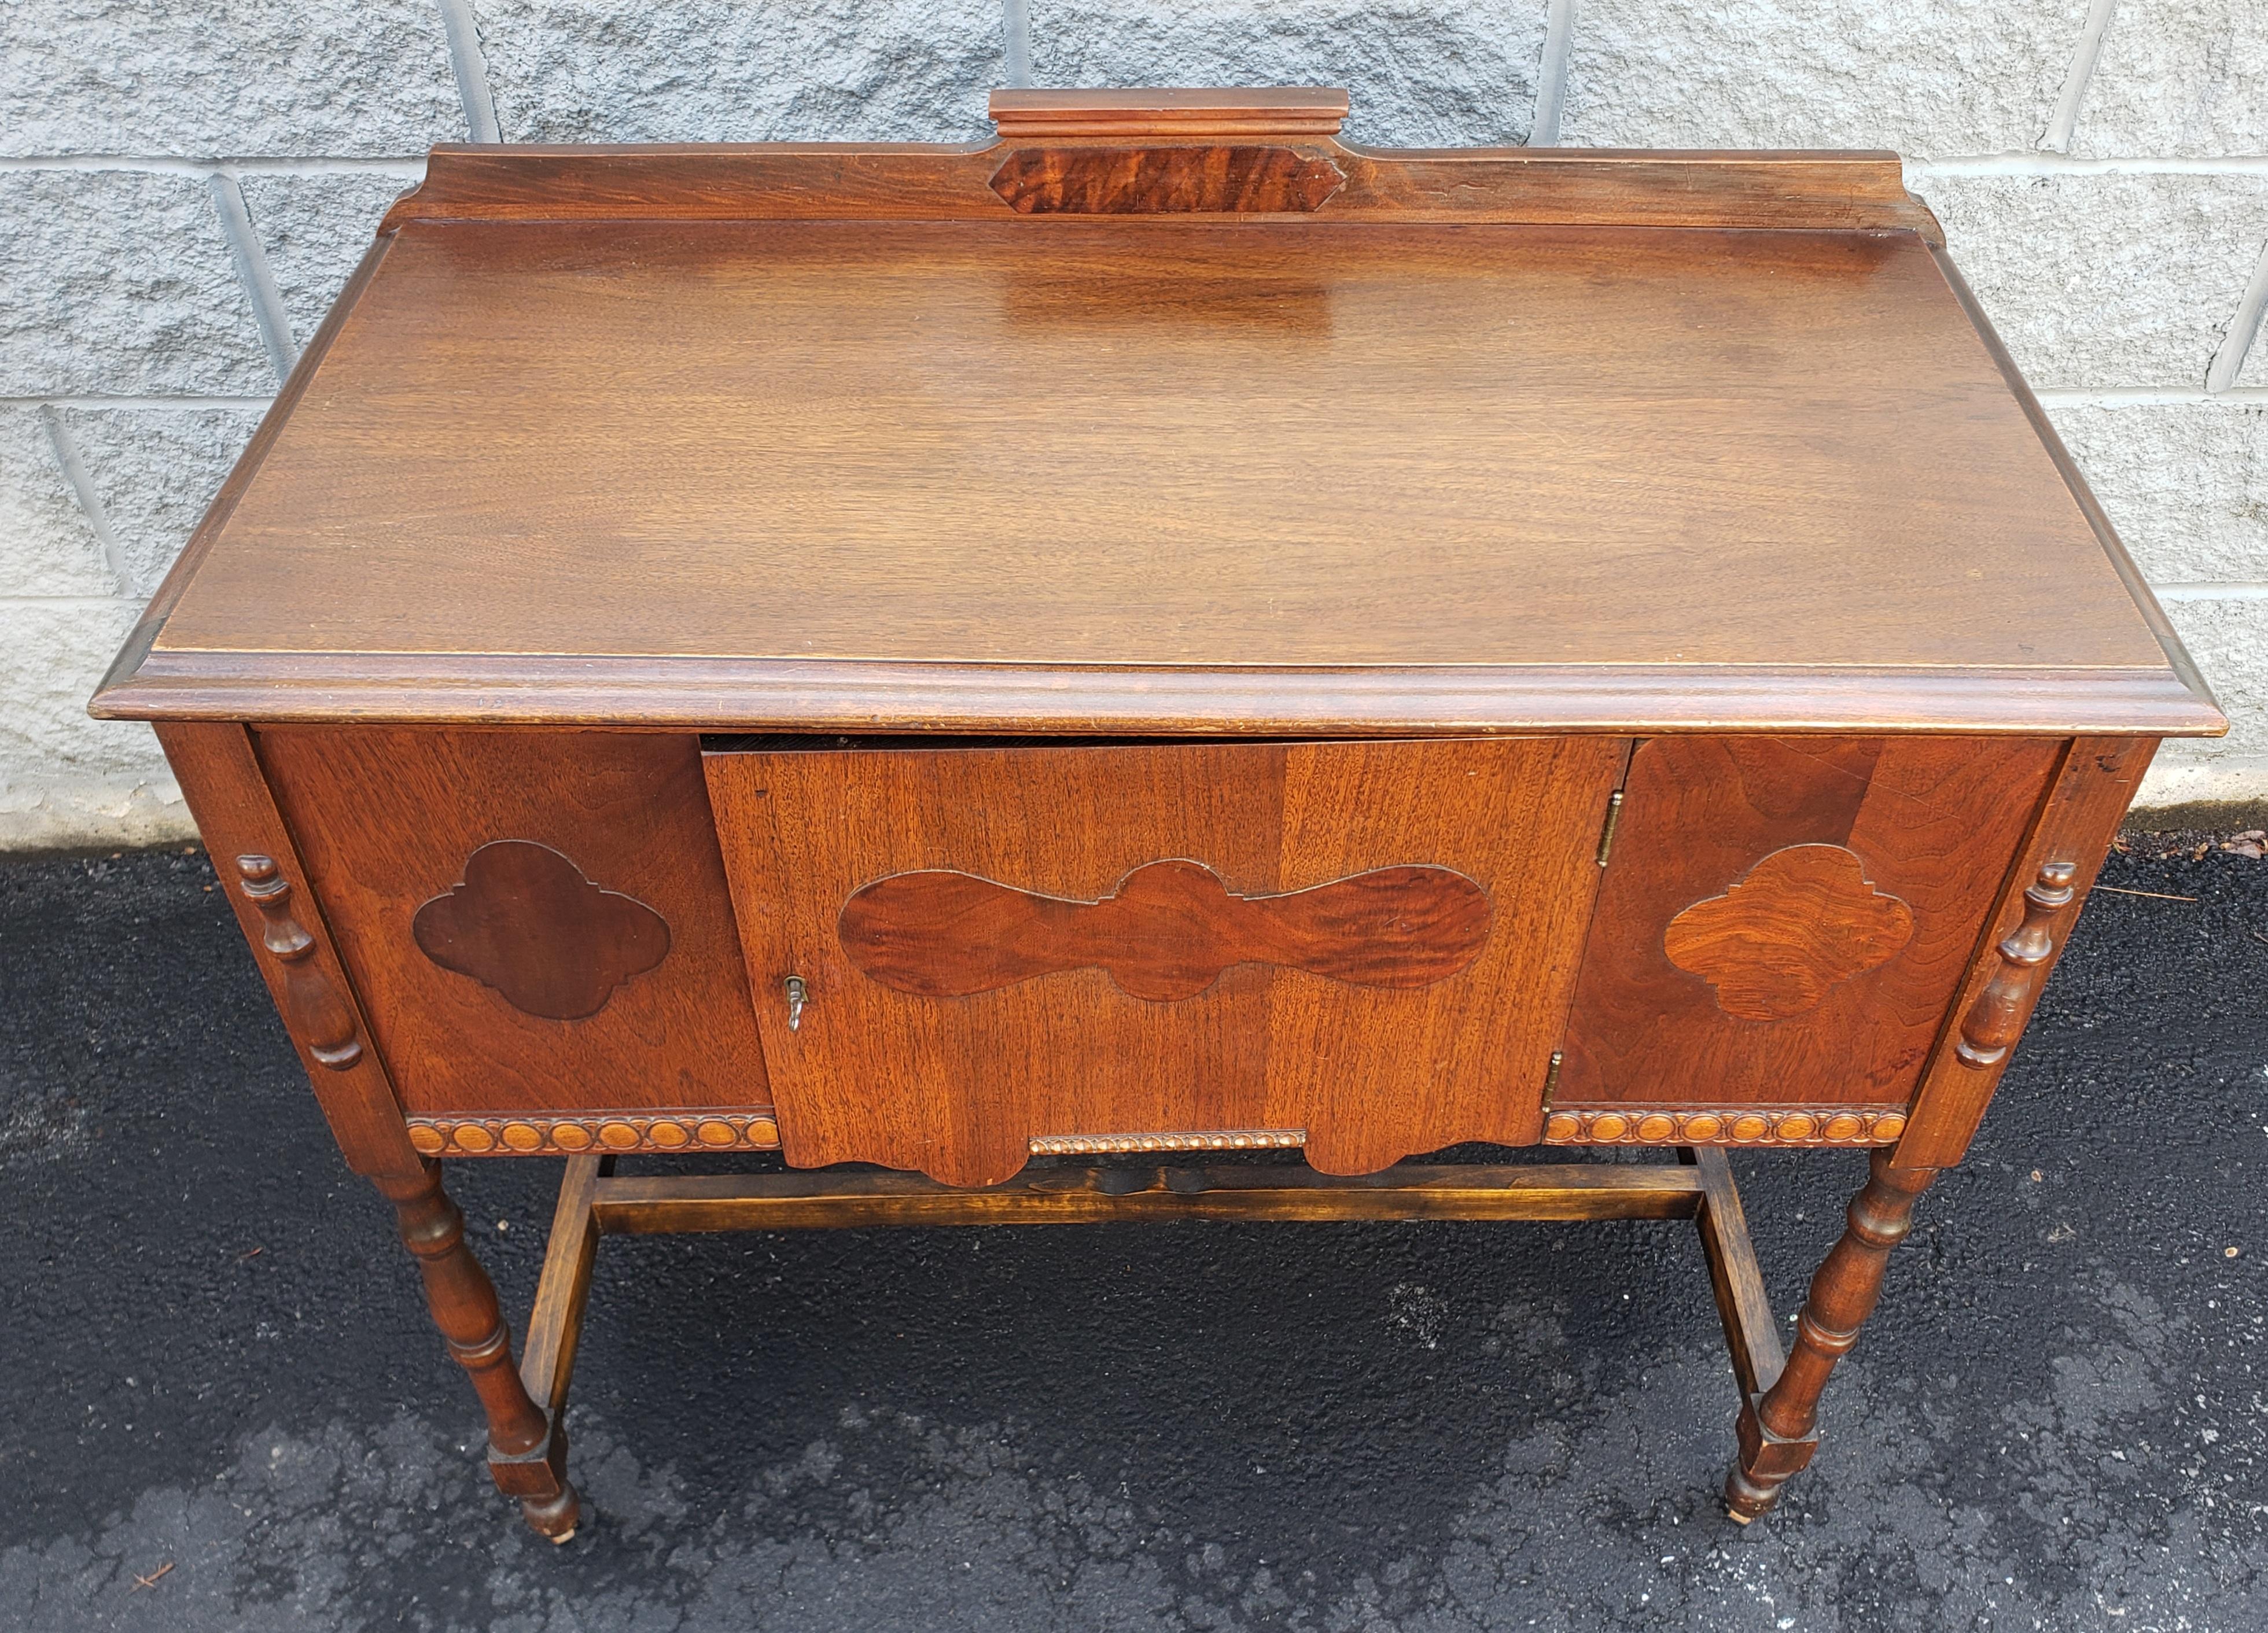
525, 921
387, 820
555, 1329
1859, 192
554, 1325
1779, 1428
1801, 922
1455, 531
1932, 821
1165, 415
1159, 180
2094, 784
669, 1203
1996, 1019
527, 1459
2145, 601
221, 779
592, 1201
315, 1008
1271, 110
1166, 932
958, 1087
1750, 1336
1283, 701
1456, 565
161, 605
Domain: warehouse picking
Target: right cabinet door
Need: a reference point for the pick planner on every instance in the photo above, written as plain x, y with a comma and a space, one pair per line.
1783, 922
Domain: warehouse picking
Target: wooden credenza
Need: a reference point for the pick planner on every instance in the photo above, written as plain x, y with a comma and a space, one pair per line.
1043, 667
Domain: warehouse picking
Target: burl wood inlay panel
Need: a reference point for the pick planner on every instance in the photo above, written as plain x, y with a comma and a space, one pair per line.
525, 920
1166, 932
606, 839
1801, 921
958, 1086
1785, 919
1154, 180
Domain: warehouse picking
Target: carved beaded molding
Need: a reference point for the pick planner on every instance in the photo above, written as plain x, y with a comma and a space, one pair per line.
1727, 1125
1206, 1140
1731, 1125
553, 1137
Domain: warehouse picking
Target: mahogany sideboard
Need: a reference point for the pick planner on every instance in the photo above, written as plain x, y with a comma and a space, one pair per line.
1164, 634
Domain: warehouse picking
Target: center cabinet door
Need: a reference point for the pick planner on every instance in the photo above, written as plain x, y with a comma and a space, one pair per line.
1365, 948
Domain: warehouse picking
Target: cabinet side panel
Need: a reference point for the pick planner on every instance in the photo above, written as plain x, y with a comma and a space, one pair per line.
1783, 924
538, 923
259, 868
2062, 854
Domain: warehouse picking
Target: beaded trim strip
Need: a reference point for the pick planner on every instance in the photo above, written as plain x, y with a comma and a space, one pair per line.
1207, 1140
536, 1136
1727, 1125
1731, 1125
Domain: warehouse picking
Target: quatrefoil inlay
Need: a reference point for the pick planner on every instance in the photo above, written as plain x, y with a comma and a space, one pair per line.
1800, 923
526, 923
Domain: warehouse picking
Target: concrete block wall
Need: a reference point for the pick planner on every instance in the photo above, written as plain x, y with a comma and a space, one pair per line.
184, 185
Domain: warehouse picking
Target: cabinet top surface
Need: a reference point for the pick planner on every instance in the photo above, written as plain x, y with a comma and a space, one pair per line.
1080, 447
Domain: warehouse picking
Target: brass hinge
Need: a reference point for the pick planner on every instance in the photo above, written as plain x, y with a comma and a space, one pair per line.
1551, 1079
1607, 833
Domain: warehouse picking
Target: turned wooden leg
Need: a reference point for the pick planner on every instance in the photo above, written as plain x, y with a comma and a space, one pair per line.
1779, 1428
527, 1449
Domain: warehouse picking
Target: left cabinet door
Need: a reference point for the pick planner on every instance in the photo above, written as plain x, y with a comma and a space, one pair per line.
960, 955
537, 927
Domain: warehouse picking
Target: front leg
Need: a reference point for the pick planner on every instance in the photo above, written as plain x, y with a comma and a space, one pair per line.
1779, 1428
527, 1453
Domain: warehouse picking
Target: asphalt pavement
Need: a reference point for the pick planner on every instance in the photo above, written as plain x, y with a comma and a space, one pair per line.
225, 1407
